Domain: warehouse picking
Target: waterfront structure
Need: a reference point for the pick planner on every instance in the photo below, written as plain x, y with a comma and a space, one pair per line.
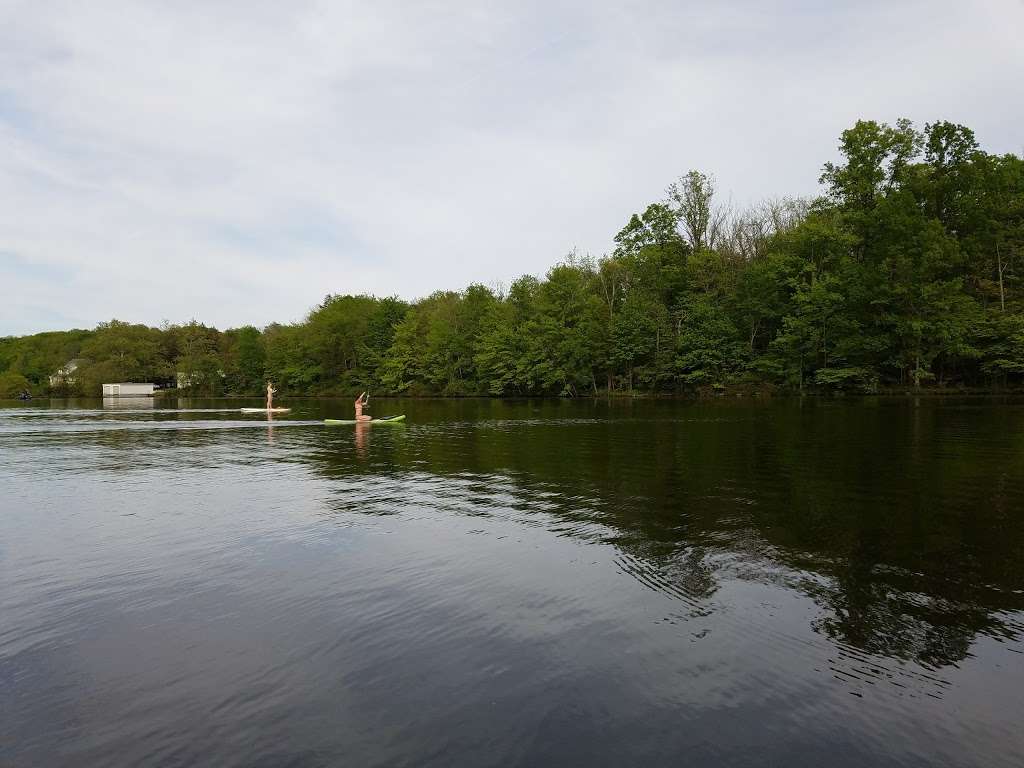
128, 389
65, 375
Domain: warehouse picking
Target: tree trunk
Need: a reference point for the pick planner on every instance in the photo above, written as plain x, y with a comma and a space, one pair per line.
1002, 294
824, 344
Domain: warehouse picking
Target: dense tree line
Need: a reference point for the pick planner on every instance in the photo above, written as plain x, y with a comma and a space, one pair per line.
906, 271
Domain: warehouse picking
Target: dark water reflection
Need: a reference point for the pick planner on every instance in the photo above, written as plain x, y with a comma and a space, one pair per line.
533, 583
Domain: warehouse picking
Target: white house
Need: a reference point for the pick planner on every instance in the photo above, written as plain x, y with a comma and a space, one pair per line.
66, 373
184, 380
125, 389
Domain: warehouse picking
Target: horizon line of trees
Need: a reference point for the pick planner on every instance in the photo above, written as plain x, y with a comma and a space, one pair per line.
906, 272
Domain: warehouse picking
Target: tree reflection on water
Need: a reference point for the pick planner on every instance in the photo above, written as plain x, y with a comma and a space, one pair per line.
896, 521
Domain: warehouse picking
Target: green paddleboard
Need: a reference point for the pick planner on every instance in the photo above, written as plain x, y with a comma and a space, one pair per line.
388, 420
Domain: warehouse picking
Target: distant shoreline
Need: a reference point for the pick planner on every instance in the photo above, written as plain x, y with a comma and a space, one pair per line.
729, 395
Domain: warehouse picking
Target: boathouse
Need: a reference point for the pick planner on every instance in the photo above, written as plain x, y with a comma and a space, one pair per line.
125, 389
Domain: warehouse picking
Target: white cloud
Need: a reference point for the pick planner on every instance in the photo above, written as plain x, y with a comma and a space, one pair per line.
234, 162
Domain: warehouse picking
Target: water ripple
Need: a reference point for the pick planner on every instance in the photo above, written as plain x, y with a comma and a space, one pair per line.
562, 583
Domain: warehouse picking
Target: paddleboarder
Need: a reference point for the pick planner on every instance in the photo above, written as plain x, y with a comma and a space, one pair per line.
270, 395
363, 401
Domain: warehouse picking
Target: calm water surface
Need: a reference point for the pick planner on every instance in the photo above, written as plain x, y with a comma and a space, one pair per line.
537, 583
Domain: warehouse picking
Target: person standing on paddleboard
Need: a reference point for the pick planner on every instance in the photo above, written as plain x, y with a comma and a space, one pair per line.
270, 395
362, 401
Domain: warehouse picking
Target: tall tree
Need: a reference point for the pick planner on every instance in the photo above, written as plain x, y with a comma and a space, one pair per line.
691, 200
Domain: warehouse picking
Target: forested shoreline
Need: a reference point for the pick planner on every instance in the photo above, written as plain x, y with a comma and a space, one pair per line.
906, 272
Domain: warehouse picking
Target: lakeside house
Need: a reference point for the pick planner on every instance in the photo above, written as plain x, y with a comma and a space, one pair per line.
65, 375
184, 380
128, 389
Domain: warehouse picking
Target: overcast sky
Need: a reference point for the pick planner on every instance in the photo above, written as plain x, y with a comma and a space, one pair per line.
234, 162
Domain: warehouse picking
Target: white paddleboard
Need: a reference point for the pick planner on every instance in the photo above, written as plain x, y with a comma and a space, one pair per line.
265, 410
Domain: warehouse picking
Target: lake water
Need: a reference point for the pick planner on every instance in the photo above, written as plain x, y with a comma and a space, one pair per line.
793, 583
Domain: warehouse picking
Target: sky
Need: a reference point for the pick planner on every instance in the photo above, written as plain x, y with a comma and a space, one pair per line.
235, 162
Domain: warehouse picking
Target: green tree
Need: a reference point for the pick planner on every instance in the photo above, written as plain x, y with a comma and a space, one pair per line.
907, 271
13, 384
119, 351
198, 366
245, 358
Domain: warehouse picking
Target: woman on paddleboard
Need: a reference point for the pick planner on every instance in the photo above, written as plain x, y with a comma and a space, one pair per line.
362, 401
270, 395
